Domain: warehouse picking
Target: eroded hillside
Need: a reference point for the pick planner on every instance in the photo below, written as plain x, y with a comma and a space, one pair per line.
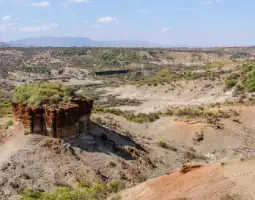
155, 110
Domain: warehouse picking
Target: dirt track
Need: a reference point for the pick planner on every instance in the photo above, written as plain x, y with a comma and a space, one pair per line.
12, 145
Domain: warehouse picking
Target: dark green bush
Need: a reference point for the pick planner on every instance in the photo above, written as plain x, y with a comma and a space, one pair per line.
72, 51
38, 70
230, 83
250, 84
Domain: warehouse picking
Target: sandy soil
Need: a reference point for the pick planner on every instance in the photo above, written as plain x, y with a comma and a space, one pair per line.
161, 97
43, 163
233, 140
11, 145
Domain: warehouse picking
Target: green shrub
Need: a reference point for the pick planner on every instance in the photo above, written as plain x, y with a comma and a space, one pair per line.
98, 109
38, 70
230, 83
248, 76
163, 76
72, 51
5, 107
41, 93
162, 144
114, 186
9, 123
191, 112
169, 112
138, 118
239, 87
152, 53
112, 101
118, 58
199, 112
85, 184
250, 84
187, 112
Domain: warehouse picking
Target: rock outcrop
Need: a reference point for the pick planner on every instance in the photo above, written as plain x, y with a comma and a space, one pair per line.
59, 121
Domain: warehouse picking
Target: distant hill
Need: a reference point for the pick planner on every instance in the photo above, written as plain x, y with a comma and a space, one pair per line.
77, 42
53, 41
3, 44
129, 44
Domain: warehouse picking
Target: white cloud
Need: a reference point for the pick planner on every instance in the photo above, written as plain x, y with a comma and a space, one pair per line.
163, 30
30, 29
107, 19
49, 27
40, 28
6, 18
41, 4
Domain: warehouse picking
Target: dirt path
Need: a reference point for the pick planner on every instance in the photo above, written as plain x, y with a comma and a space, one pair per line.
12, 144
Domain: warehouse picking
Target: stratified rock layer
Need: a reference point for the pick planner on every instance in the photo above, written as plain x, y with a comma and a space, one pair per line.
60, 121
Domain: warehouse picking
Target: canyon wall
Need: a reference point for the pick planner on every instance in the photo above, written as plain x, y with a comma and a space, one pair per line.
59, 121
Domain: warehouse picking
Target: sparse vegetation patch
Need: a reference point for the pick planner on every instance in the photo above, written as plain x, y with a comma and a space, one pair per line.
163, 144
41, 93
138, 118
186, 112
5, 107
247, 77
230, 83
95, 191
38, 70
118, 58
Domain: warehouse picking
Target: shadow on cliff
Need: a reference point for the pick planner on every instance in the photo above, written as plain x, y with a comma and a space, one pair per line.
105, 140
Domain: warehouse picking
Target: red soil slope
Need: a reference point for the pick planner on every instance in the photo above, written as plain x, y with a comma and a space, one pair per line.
232, 181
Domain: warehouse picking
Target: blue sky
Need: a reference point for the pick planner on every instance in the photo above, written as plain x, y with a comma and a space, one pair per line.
172, 22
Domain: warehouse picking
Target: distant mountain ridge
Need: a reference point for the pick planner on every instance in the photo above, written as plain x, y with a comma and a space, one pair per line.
3, 44
47, 41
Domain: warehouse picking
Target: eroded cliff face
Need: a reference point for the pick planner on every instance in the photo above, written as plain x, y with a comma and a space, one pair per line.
60, 121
